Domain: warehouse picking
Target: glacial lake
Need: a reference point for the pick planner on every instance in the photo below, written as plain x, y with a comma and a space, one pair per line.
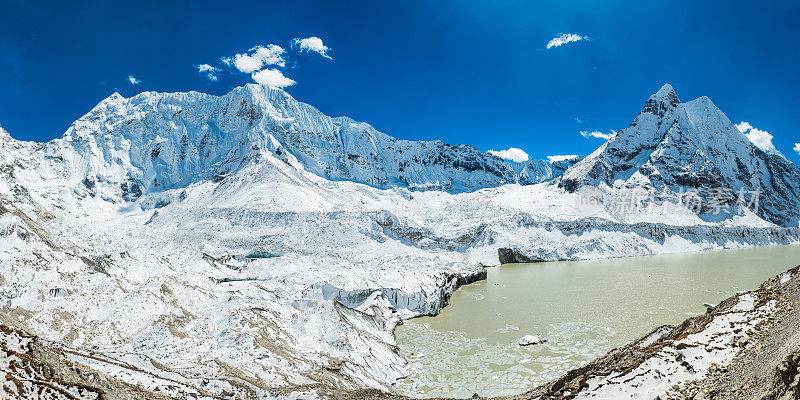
583, 309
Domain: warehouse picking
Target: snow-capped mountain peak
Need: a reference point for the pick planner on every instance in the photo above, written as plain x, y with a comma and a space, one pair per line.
665, 92
127, 147
692, 145
662, 102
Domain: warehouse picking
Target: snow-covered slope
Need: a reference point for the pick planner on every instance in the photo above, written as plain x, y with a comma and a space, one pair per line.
678, 146
246, 245
155, 141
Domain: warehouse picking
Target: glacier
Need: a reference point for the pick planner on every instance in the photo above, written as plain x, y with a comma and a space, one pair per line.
248, 245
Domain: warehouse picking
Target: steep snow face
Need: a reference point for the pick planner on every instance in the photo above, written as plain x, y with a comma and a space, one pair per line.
676, 146
155, 141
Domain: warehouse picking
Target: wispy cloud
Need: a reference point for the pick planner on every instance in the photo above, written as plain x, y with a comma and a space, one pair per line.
512, 154
598, 134
207, 70
797, 148
310, 44
761, 139
272, 77
564, 38
132, 79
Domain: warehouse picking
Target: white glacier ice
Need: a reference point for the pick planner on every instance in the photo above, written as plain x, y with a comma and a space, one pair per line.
249, 244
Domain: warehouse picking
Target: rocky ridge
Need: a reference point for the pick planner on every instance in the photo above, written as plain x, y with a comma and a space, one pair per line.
676, 147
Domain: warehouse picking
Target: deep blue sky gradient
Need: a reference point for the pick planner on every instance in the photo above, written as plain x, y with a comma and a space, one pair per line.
471, 72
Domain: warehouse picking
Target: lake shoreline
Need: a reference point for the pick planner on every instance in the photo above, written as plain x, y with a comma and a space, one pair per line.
761, 366
584, 309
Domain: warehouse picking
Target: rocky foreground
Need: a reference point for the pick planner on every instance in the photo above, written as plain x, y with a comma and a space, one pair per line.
746, 347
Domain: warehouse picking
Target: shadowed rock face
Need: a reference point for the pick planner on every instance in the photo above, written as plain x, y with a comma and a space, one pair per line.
678, 146
511, 256
787, 378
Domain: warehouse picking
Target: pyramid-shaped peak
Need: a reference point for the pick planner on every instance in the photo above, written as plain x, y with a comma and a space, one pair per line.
114, 98
665, 91
705, 100
662, 101
256, 89
666, 94
703, 112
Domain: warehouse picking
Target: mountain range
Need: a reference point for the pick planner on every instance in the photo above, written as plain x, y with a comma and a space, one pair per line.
156, 141
125, 148
248, 245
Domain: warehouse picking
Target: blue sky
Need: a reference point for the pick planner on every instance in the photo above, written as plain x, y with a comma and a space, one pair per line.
471, 72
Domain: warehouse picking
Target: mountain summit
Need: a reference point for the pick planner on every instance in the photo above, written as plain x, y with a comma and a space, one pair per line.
156, 141
693, 145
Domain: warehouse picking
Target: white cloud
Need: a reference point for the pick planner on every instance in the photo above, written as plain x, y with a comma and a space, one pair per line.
512, 154
314, 44
797, 148
744, 126
553, 159
247, 64
256, 62
272, 77
761, 139
132, 79
256, 58
207, 70
564, 38
598, 134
